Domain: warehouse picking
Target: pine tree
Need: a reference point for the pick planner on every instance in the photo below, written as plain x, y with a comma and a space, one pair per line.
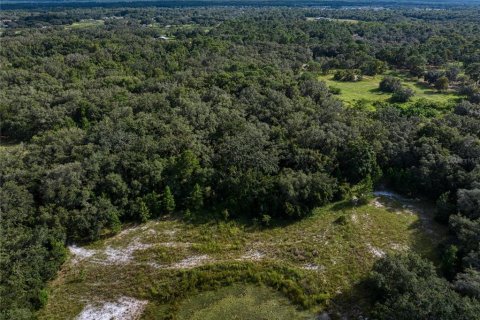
196, 198
168, 201
143, 211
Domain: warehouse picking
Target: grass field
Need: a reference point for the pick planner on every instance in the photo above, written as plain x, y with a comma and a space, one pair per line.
366, 91
227, 268
240, 302
85, 24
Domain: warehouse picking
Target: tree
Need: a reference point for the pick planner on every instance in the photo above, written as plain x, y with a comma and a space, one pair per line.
358, 161
390, 84
431, 76
452, 73
468, 202
196, 198
468, 283
143, 211
347, 75
416, 65
441, 84
168, 201
373, 67
473, 70
406, 287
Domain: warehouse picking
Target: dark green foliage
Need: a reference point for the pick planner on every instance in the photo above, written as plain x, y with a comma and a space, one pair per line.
468, 203
373, 67
196, 198
445, 207
473, 70
347, 75
402, 95
390, 84
452, 73
168, 201
442, 83
110, 124
468, 283
358, 161
449, 263
432, 76
299, 192
407, 287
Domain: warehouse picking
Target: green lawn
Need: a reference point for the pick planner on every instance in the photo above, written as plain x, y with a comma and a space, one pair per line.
178, 266
366, 91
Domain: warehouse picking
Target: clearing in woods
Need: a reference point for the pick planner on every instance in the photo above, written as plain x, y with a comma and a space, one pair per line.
199, 271
366, 90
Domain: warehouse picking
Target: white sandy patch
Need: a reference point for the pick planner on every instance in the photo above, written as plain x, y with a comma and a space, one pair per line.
123, 309
252, 255
122, 255
354, 218
375, 251
109, 255
125, 232
80, 253
399, 247
190, 262
377, 204
170, 232
312, 266
151, 231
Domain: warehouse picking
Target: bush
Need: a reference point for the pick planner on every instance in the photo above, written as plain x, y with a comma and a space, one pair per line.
402, 95
432, 76
441, 83
335, 90
347, 75
390, 84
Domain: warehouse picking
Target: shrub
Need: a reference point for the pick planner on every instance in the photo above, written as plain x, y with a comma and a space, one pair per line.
441, 83
347, 75
335, 90
389, 84
402, 94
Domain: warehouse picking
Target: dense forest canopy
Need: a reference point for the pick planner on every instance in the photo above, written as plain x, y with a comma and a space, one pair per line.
122, 115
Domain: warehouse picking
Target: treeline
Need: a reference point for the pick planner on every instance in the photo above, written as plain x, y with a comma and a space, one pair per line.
114, 124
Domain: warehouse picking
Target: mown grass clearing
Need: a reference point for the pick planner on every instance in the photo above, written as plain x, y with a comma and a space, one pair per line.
366, 92
176, 265
240, 302
90, 23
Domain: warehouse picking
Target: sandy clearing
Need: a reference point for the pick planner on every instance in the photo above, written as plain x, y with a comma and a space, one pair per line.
80, 254
252, 255
123, 255
413, 207
377, 204
376, 252
124, 308
190, 262
109, 255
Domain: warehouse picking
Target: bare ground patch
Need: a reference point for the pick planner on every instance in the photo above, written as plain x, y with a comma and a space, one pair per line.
124, 308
